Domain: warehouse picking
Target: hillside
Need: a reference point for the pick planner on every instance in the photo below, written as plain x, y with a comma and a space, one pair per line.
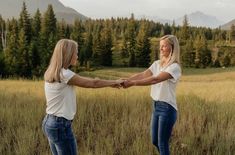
200, 19
228, 25
12, 8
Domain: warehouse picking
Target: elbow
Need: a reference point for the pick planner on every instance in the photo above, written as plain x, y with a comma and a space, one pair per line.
91, 84
95, 83
155, 80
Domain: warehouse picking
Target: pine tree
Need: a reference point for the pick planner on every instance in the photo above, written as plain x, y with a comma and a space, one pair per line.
68, 31
34, 48
10, 53
48, 36
97, 49
173, 28
23, 63
24, 23
2, 64
232, 33
154, 55
162, 32
167, 29
106, 46
124, 52
203, 55
87, 48
36, 25
49, 21
35, 60
77, 35
2, 32
131, 42
184, 33
61, 30
143, 46
77, 32
188, 55
206, 53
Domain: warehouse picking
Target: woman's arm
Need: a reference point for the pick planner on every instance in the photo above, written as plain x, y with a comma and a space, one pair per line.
142, 75
148, 81
93, 83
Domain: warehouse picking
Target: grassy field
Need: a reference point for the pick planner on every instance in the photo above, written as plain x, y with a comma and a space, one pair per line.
117, 122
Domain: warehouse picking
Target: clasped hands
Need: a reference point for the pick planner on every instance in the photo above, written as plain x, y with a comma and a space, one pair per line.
123, 83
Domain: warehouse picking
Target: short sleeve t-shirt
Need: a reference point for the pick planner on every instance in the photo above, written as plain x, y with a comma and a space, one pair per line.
165, 90
61, 97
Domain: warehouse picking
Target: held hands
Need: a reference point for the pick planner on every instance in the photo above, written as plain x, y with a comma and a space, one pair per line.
128, 83
124, 83
118, 84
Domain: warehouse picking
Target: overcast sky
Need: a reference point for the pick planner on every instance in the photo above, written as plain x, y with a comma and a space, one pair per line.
169, 9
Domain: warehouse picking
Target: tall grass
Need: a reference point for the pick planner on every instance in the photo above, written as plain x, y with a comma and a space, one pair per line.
117, 122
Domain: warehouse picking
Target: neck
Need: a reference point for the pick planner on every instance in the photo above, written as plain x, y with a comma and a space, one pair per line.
164, 61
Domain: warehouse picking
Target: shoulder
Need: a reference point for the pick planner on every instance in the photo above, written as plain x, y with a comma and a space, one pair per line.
175, 66
174, 70
66, 71
66, 75
156, 63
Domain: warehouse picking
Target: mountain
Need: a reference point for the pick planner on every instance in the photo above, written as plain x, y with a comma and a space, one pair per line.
12, 8
228, 25
200, 19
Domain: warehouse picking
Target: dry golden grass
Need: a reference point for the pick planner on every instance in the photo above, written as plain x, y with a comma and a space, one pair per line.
117, 122
217, 87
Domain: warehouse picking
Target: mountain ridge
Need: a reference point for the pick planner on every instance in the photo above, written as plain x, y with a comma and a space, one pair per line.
200, 19
12, 8
227, 26
197, 18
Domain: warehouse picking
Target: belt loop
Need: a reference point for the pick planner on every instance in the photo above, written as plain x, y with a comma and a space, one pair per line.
56, 118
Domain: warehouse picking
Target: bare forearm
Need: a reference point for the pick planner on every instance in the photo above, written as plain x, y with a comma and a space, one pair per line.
90, 83
136, 77
147, 73
152, 79
146, 81
97, 83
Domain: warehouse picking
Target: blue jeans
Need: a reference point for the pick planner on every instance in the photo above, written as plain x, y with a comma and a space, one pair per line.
60, 135
163, 119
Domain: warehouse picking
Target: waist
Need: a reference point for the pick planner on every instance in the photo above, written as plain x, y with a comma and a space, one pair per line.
58, 119
160, 104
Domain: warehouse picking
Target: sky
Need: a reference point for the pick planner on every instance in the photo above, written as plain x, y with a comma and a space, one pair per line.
224, 10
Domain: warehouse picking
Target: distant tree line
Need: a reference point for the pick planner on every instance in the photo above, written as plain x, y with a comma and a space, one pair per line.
26, 44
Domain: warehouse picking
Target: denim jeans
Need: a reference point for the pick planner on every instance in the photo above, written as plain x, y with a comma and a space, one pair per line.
163, 119
60, 135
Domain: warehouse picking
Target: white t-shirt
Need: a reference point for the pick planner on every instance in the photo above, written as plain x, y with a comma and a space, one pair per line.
61, 97
165, 90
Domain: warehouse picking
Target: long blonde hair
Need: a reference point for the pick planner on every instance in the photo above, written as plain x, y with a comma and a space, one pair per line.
175, 51
61, 58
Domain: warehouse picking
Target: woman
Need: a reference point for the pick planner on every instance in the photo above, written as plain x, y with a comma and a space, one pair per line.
163, 75
61, 97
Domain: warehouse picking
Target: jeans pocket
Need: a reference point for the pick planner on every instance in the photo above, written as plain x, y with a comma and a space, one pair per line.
162, 107
52, 133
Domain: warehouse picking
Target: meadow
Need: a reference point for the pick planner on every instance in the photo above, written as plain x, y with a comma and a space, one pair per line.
117, 121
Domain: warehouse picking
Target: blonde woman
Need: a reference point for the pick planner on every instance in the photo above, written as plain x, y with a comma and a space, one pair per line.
61, 97
163, 75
